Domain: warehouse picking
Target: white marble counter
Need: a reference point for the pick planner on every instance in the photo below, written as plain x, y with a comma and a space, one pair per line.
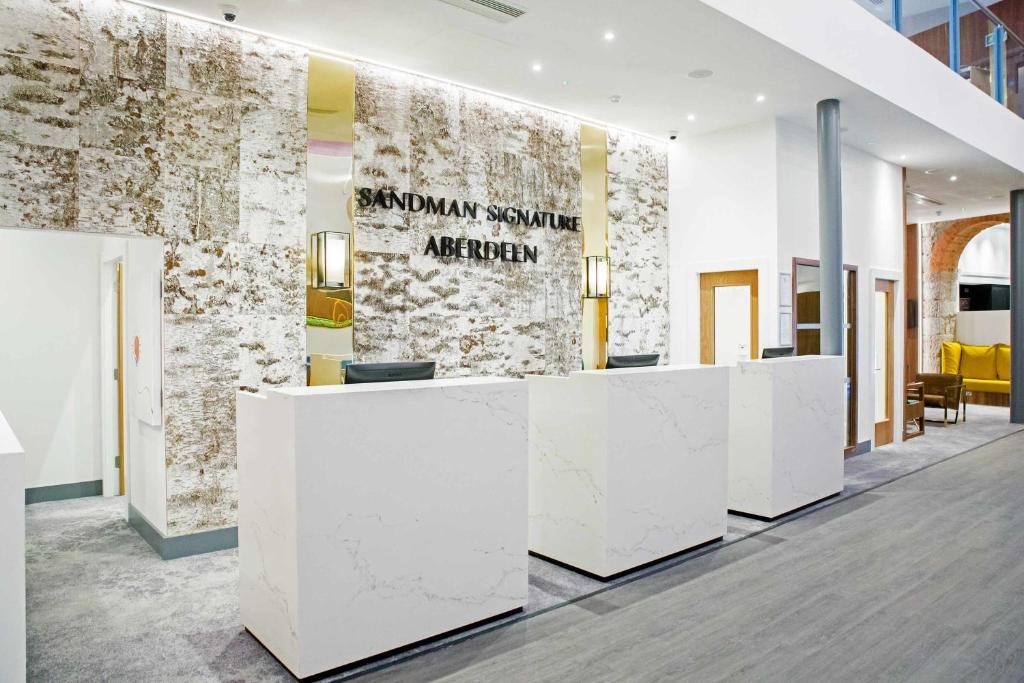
627, 466
373, 516
12, 557
786, 433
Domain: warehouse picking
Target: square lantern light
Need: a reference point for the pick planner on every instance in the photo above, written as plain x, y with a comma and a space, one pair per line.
330, 260
596, 277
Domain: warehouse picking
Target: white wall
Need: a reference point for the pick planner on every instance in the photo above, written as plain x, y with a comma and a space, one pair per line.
49, 352
722, 216
983, 328
748, 198
986, 258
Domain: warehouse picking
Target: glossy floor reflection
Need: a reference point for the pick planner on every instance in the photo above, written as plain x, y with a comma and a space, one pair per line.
103, 606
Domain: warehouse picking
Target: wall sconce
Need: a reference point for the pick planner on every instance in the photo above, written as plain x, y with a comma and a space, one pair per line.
330, 260
596, 277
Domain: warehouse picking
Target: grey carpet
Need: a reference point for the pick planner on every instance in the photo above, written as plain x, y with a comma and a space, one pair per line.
103, 606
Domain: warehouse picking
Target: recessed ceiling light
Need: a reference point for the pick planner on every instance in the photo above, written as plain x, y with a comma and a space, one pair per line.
952, 178
930, 171
691, 117
700, 73
565, 82
903, 157
760, 98
615, 98
608, 35
537, 67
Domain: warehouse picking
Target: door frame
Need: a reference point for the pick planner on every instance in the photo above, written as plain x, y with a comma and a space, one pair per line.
112, 376
730, 278
852, 304
885, 431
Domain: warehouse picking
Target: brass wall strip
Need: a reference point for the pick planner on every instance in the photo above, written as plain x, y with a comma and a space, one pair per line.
594, 171
330, 123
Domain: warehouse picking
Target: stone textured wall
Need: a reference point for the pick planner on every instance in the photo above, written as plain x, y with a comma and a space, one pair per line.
474, 318
116, 118
638, 319
942, 244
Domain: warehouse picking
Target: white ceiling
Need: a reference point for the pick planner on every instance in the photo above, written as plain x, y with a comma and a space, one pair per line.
657, 43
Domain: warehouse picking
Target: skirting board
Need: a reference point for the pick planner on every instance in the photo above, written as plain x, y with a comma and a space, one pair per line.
79, 489
173, 547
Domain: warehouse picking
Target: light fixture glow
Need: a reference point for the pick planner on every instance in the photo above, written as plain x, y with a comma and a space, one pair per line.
330, 260
596, 277
903, 157
691, 117
952, 178
608, 35
537, 67
760, 98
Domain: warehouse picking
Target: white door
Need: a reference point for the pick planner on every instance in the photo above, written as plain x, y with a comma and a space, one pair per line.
881, 360
732, 324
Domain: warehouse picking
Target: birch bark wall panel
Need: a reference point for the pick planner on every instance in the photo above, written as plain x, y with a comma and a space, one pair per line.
638, 319
117, 118
415, 134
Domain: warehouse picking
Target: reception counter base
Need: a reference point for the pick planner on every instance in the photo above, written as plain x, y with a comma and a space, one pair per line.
365, 526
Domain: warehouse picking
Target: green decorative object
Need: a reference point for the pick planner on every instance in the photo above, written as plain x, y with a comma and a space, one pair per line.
313, 321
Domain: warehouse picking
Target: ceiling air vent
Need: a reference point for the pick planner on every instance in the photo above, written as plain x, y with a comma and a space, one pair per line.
492, 9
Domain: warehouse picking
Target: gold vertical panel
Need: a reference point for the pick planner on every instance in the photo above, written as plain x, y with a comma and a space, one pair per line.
594, 168
330, 119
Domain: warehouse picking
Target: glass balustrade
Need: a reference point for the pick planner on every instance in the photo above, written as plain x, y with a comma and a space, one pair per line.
966, 35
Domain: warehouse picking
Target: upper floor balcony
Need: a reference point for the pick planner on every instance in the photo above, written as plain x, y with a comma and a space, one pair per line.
978, 39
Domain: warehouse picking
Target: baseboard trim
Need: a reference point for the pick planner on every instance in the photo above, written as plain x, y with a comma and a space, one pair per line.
174, 547
79, 489
860, 449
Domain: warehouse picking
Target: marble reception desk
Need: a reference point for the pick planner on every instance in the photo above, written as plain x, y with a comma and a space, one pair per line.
12, 557
373, 516
785, 433
627, 466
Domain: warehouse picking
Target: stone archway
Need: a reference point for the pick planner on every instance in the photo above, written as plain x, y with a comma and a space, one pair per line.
942, 244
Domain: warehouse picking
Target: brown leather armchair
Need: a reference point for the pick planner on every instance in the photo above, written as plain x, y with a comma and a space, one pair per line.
943, 391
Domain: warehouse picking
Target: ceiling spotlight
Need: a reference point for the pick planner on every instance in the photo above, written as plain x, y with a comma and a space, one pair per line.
565, 82
930, 171
952, 178
691, 117
537, 67
700, 73
759, 99
608, 35
903, 157
615, 98
673, 134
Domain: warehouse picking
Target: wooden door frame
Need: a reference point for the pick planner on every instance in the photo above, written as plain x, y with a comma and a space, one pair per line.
885, 431
853, 300
728, 278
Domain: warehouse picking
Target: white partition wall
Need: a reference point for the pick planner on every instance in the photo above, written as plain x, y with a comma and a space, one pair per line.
627, 466
373, 516
12, 557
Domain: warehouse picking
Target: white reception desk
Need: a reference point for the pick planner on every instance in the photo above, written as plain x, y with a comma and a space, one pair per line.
627, 466
12, 557
785, 433
373, 516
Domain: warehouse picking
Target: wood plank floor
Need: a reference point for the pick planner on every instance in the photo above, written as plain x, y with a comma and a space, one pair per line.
919, 580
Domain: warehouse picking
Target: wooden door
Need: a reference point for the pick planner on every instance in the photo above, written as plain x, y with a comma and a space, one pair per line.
119, 370
740, 284
883, 360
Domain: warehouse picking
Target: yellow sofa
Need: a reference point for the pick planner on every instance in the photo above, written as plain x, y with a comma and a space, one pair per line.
985, 369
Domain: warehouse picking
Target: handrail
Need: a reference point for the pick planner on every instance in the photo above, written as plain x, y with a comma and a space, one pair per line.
996, 20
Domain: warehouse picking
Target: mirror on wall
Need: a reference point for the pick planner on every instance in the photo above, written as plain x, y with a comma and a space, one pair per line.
330, 318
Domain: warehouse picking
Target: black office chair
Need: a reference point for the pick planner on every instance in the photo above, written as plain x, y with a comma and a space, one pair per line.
640, 361
777, 352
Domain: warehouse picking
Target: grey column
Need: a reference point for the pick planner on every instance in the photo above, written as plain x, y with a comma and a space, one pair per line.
830, 228
1017, 306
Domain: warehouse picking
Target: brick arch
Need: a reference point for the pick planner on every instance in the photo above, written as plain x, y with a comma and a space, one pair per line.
942, 245
952, 238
